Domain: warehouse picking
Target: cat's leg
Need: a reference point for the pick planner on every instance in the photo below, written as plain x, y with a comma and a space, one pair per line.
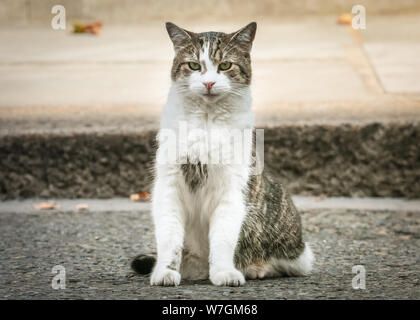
169, 233
225, 225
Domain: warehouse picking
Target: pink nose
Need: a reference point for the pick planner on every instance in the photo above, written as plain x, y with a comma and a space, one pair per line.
209, 85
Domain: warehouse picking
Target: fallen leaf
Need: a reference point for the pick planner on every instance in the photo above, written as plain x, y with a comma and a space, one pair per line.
47, 206
82, 207
94, 27
142, 196
95, 30
344, 18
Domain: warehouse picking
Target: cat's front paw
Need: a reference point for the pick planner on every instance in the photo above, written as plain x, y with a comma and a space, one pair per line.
229, 277
165, 277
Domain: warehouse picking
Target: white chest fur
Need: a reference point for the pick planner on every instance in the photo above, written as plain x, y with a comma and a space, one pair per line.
218, 137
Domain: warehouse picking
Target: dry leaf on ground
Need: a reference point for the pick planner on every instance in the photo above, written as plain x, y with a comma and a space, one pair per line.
94, 28
47, 206
82, 207
344, 18
142, 196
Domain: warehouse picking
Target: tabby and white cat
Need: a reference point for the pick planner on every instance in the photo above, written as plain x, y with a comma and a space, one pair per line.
217, 221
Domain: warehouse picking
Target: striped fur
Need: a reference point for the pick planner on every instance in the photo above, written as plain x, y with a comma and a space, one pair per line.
211, 220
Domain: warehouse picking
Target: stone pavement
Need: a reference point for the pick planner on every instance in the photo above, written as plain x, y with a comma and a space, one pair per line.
95, 247
306, 69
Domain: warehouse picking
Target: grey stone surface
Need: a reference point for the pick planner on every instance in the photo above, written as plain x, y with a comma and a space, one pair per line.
306, 69
96, 247
301, 202
90, 85
398, 66
131, 64
393, 47
312, 59
375, 159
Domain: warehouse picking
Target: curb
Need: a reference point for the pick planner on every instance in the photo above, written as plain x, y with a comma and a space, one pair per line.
354, 160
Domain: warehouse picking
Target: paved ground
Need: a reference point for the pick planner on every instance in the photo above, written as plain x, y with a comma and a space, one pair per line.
95, 248
308, 69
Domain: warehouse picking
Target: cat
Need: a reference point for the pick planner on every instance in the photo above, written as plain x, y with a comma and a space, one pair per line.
217, 221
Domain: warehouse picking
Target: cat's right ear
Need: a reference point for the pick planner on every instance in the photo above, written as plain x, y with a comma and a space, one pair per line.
178, 35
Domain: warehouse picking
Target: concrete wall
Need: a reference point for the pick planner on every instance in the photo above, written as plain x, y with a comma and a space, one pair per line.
24, 12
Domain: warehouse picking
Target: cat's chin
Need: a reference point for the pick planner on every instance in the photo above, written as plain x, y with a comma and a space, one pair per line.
206, 97
211, 95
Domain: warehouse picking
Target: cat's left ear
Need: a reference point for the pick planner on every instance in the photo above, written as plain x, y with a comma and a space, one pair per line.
246, 35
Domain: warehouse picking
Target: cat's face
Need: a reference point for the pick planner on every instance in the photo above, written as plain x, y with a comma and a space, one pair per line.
211, 65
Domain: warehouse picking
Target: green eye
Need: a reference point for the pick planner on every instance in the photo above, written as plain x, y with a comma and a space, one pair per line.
225, 65
194, 66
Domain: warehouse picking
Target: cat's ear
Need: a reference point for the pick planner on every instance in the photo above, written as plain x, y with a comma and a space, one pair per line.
246, 35
178, 35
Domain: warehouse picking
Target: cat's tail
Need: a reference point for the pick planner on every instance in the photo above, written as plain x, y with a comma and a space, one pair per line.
301, 266
143, 264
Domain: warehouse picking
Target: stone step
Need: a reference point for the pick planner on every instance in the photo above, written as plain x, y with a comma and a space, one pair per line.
347, 159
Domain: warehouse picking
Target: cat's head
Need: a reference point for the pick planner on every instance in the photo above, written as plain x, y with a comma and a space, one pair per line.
211, 65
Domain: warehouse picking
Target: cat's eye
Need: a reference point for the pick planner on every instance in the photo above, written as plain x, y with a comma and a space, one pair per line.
225, 65
194, 66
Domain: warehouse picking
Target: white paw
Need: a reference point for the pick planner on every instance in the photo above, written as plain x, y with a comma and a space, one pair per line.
165, 277
229, 277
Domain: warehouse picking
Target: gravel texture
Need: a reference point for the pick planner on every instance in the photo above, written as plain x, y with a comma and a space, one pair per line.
96, 247
377, 160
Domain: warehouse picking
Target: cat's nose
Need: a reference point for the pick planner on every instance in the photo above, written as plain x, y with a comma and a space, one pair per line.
209, 85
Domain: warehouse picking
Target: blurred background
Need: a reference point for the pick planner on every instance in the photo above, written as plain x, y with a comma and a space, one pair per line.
79, 110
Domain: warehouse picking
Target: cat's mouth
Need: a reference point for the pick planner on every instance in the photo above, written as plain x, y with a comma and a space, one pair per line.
210, 95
